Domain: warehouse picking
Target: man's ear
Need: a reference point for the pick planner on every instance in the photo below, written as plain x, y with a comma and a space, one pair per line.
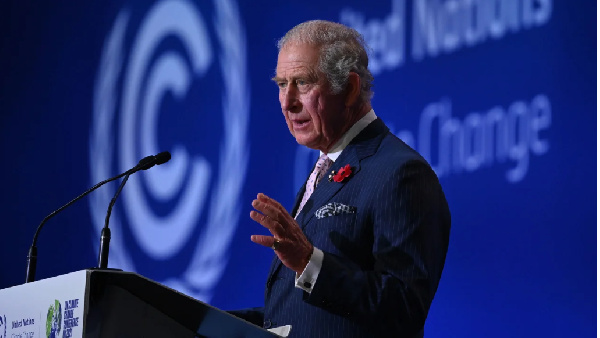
352, 89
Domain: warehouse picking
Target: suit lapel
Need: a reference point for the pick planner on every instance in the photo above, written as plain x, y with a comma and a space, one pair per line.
299, 196
326, 189
363, 145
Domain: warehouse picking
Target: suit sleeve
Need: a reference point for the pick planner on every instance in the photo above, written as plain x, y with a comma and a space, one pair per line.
411, 223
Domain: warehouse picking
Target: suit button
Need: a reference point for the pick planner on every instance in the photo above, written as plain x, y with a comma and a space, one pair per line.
267, 324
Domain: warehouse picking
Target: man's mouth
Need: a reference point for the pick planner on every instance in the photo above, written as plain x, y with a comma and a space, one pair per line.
299, 124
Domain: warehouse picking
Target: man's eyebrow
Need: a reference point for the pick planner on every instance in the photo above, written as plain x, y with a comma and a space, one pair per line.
310, 75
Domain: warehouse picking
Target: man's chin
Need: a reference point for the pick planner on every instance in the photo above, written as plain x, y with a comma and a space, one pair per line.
307, 142
313, 145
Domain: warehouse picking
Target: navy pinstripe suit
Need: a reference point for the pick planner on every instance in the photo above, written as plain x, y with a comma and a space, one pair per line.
382, 263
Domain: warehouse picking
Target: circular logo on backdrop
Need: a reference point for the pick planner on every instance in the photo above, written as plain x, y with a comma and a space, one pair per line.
172, 79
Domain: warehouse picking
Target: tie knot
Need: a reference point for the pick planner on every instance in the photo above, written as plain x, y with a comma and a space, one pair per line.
323, 161
323, 164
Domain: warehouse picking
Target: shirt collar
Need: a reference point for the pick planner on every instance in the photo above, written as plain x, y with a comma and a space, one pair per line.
361, 124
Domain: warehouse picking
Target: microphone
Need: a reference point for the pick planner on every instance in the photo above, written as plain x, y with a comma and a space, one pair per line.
143, 164
152, 160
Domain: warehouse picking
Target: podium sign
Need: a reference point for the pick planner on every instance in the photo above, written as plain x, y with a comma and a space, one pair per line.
52, 307
103, 303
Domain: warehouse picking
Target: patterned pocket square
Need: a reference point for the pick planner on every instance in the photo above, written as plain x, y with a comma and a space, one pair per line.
333, 209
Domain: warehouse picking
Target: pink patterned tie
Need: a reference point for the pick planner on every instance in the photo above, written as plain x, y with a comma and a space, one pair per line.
323, 164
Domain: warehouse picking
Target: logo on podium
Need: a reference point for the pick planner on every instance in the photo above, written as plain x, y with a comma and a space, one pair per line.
54, 320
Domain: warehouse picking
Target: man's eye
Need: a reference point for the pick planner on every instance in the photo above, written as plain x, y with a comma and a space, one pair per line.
300, 82
281, 84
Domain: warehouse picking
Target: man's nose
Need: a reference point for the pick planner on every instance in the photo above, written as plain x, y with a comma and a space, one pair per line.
289, 99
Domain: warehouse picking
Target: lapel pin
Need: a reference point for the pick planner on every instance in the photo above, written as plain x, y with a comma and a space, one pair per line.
342, 174
331, 176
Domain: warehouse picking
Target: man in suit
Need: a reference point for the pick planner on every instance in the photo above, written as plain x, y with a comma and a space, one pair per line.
362, 252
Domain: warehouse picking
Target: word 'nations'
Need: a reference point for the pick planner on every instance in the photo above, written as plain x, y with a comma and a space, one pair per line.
442, 26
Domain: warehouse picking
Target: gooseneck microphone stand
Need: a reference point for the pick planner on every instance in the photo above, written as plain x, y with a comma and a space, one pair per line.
105, 234
32, 255
145, 163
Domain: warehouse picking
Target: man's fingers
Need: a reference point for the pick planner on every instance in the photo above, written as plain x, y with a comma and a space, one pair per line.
267, 209
273, 209
274, 227
263, 240
264, 198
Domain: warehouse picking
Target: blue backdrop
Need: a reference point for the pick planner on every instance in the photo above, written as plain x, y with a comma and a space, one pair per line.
499, 96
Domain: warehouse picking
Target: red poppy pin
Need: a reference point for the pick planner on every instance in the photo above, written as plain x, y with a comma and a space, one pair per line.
342, 174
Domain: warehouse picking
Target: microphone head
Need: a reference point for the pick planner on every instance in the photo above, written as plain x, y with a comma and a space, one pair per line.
145, 163
152, 160
161, 158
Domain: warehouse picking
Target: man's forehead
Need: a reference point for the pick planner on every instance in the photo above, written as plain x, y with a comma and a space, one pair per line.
297, 56
294, 69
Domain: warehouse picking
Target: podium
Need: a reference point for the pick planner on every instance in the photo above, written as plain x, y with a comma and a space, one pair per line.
105, 303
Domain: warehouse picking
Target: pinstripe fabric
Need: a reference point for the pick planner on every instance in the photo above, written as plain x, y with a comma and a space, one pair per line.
382, 263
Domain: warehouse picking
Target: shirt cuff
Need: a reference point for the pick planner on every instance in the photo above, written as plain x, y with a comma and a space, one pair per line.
307, 279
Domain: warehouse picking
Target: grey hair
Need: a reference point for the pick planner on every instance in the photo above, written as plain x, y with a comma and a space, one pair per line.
342, 50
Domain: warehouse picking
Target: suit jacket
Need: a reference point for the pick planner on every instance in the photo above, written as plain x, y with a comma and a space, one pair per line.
383, 256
